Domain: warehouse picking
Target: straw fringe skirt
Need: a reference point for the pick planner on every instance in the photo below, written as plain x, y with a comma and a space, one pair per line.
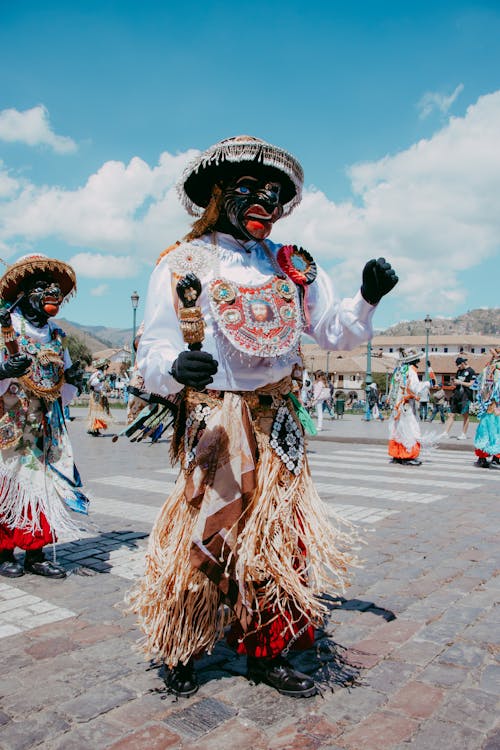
285, 553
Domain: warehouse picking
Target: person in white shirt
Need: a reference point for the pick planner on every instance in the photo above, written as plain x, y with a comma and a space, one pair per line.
321, 393
244, 512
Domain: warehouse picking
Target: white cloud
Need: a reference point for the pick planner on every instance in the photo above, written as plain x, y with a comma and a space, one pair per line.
33, 128
431, 209
120, 205
97, 266
432, 100
8, 185
99, 291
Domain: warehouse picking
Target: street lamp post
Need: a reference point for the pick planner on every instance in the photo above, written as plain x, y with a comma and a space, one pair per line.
368, 379
427, 322
134, 298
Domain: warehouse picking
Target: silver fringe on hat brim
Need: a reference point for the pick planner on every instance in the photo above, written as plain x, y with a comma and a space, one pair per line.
240, 151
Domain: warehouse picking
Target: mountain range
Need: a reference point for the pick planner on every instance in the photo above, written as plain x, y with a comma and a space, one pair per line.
484, 321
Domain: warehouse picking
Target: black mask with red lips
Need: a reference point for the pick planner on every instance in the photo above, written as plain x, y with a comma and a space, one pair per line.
250, 207
42, 299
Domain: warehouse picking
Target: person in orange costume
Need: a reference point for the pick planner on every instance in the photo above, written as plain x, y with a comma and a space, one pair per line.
404, 427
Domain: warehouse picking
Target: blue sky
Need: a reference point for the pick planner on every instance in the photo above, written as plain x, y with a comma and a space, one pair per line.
392, 108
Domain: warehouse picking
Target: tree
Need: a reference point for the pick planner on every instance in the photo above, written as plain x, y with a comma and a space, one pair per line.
78, 349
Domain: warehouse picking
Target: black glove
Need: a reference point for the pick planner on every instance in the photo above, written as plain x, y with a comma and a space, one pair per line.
5, 317
194, 369
74, 375
379, 277
15, 366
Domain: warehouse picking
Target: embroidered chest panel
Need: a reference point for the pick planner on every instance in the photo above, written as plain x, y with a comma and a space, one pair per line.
47, 363
264, 321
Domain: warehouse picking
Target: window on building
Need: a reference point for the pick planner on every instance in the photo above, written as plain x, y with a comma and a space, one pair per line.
446, 379
391, 349
445, 349
472, 350
483, 350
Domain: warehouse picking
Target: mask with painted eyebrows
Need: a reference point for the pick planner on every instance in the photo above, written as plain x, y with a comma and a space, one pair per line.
250, 207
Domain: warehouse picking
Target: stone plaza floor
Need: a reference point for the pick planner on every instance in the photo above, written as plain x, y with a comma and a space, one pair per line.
409, 656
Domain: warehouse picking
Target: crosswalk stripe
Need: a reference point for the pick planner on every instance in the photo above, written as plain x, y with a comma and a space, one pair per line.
132, 511
459, 457
396, 479
434, 460
136, 483
359, 513
373, 492
395, 474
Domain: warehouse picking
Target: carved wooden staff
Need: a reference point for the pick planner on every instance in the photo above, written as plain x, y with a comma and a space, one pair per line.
190, 315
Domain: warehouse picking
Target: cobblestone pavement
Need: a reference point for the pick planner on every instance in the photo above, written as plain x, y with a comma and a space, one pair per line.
409, 655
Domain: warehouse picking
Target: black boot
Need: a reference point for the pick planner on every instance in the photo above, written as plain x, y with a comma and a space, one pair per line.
9, 566
483, 463
495, 461
182, 679
279, 674
35, 562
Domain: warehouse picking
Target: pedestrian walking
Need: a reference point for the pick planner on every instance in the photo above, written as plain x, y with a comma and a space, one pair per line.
320, 396
439, 405
461, 397
373, 408
424, 401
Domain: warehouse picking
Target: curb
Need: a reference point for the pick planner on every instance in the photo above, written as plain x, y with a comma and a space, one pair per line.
383, 441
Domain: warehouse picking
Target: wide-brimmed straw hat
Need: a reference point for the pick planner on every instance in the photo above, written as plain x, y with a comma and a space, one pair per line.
409, 355
16, 273
242, 154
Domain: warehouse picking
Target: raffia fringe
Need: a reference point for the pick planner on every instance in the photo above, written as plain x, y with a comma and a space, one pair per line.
21, 506
176, 604
179, 608
284, 518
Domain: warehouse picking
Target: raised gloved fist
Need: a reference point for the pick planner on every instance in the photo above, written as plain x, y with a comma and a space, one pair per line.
379, 277
194, 369
15, 366
74, 375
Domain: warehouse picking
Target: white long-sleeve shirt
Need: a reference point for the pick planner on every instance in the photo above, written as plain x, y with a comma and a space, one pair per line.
332, 323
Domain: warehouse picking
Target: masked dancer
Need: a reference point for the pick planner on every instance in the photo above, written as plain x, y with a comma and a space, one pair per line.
99, 414
404, 395
38, 478
487, 438
244, 526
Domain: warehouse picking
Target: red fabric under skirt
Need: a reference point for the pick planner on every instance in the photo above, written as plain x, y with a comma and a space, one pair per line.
398, 450
11, 538
271, 638
482, 454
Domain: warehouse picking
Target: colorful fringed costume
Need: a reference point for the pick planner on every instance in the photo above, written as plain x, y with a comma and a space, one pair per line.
244, 537
38, 478
487, 438
98, 415
404, 427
